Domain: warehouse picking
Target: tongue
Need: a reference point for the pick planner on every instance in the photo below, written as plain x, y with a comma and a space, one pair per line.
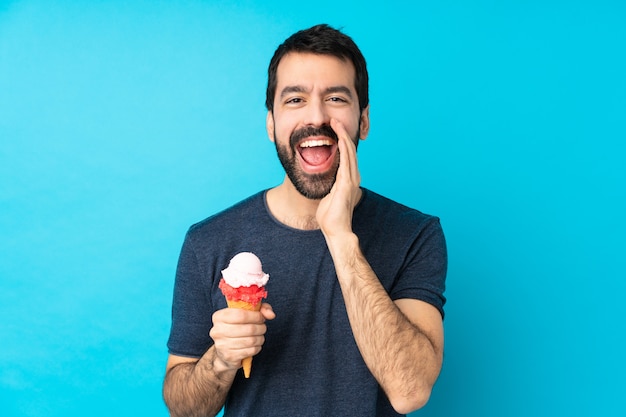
316, 155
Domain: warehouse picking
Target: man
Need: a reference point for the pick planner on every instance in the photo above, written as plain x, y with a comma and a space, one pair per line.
353, 323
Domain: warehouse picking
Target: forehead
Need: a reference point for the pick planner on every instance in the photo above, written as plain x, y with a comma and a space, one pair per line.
308, 69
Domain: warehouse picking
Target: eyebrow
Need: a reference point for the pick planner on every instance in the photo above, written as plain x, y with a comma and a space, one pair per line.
292, 89
340, 89
301, 89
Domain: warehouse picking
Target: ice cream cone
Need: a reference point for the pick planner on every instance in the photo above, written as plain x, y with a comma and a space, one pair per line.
244, 305
243, 285
246, 362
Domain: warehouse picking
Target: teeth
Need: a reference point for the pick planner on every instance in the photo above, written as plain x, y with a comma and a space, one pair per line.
313, 143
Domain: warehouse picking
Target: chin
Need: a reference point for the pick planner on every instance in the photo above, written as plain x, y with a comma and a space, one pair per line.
312, 186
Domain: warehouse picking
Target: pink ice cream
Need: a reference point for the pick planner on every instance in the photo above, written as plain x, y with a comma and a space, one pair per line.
244, 279
243, 285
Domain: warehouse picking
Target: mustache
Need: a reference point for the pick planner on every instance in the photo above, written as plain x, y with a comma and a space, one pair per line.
324, 130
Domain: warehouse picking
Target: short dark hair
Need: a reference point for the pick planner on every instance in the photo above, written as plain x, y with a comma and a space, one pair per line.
322, 40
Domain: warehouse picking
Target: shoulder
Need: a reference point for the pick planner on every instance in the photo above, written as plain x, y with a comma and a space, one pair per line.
386, 226
377, 210
243, 211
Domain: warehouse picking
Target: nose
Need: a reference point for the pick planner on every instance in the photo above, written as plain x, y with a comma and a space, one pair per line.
317, 114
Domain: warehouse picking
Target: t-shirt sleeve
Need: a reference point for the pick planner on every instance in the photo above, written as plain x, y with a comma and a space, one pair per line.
191, 306
423, 275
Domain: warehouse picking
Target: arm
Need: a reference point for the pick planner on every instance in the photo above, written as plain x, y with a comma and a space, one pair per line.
199, 387
401, 342
195, 387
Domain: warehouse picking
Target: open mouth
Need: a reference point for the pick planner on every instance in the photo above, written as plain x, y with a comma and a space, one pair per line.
317, 154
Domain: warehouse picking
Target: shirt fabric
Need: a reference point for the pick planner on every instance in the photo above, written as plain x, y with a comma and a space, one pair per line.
310, 364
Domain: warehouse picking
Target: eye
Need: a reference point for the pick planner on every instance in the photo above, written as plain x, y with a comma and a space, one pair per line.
294, 100
337, 100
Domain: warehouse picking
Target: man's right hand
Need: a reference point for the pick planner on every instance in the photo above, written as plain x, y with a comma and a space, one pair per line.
199, 386
238, 334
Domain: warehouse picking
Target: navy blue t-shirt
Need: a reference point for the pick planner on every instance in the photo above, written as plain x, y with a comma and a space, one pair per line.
310, 364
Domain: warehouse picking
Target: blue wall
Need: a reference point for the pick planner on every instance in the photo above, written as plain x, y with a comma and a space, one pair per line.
122, 123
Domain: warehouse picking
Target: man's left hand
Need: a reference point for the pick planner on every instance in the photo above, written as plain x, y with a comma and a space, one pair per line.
334, 214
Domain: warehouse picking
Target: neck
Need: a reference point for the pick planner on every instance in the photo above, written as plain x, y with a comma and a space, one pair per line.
291, 208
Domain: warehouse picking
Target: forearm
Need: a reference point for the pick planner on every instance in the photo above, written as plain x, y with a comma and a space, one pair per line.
400, 355
197, 389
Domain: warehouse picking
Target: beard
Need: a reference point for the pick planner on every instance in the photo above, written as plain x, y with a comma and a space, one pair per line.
311, 186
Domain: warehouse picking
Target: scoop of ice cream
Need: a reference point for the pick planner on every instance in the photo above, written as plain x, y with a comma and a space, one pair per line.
252, 294
245, 270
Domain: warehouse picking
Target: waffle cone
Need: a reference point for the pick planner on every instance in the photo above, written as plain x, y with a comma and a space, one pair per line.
244, 305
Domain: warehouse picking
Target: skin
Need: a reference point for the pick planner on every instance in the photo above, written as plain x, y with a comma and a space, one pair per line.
401, 341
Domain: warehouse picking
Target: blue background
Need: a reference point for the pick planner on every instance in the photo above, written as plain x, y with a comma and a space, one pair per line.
122, 123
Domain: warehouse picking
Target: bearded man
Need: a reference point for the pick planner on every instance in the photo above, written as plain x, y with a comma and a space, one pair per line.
353, 324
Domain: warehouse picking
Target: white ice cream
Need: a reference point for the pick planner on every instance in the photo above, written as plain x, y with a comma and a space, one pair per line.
245, 270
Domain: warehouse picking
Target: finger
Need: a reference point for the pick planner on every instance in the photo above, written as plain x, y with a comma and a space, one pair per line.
238, 316
354, 166
245, 343
233, 335
233, 351
344, 153
347, 148
267, 311
243, 330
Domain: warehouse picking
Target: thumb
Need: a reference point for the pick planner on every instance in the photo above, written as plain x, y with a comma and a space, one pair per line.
267, 311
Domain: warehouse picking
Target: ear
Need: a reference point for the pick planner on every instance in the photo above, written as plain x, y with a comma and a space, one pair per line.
364, 124
269, 125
